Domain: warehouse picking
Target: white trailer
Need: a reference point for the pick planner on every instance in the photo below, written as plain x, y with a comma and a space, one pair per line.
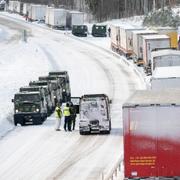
126, 39
75, 18
165, 57
137, 45
37, 12
11, 6
56, 17
152, 42
166, 78
26, 8
115, 37
94, 114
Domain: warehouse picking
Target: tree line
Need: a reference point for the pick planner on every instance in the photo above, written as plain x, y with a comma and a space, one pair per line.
110, 9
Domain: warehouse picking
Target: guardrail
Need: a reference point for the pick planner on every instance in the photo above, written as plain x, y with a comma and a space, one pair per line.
116, 173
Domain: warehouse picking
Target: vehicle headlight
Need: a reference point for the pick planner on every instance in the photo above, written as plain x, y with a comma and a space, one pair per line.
64, 90
54, 96
37, 110
17, 110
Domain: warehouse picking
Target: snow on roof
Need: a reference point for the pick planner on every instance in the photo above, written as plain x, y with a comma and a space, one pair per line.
144, 31
165, 52
156, 36
166, 72
153, 97
76, 12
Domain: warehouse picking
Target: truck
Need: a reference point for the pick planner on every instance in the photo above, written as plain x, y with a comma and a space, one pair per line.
164, 58
44, 94
29, 108
37, 12
26, 9
48, 87
151, 42
94, 114
74, 18
56, 18
63, 77
171, 32
115, 38
166, 77
80, 30
99, 30
151, 134
137, 45
56, 87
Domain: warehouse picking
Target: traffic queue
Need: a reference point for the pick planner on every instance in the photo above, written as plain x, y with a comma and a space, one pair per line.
35, 102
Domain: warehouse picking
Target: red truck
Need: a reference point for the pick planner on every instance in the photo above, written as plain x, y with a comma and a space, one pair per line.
151, 124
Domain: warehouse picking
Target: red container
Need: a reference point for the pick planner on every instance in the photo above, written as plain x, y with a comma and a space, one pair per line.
152, 134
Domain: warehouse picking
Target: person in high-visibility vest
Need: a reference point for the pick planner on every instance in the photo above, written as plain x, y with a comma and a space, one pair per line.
58, 114
67, 119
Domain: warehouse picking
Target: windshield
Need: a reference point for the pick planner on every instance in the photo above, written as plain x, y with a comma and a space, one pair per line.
27, 107
27, 97
95, 109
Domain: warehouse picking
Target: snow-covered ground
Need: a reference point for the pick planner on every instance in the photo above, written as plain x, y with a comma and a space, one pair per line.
39, 152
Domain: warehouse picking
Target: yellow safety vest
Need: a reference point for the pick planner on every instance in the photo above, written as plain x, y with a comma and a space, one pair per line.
66, 111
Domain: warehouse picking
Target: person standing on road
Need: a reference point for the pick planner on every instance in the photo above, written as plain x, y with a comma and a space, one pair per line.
58, 114
67, 119
73, 116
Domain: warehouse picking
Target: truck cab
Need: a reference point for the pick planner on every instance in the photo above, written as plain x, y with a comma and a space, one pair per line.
99, 30
80, 30
63, 78
29, 108
94, 114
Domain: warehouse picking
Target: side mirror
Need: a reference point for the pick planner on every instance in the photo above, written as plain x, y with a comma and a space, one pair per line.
110, 101
12, 100
42, 99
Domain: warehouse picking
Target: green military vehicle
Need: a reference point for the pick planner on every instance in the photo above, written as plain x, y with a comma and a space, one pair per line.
56, 87
44, 93
65, 84
80, 30
99, 30
29, 108
49, 88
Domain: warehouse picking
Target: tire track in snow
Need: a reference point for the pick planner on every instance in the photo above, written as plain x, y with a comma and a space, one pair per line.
90, 144
52, 61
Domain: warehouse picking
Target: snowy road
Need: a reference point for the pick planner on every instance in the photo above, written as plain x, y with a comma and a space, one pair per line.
39, 152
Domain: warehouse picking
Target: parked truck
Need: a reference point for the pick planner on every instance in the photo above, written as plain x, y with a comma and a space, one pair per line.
75, 18
164, 58
44, 93
151, 135
65, 84
151, 42
94, 114
115, 38
166, 77
56, 87
56, 18
37, 12
137, 45
80, 30
99, 30
29, 108
48, 87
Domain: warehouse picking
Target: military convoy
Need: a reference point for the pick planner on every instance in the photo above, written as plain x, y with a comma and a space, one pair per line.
33, 103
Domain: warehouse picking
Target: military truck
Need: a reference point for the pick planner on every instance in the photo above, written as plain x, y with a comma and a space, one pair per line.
80, 30
56, 87
48, 86
44, 93
29, 108
99, 30
94, 115
65, 84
